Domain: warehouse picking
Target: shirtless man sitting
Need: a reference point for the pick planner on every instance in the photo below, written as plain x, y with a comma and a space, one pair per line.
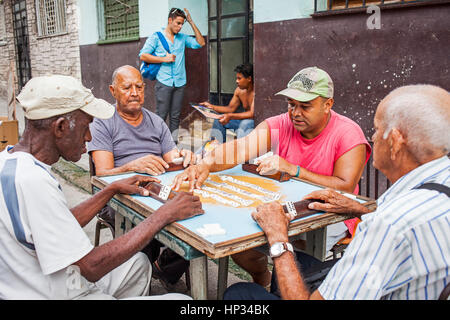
244, 95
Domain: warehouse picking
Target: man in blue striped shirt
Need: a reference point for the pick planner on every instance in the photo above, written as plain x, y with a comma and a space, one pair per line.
401, 250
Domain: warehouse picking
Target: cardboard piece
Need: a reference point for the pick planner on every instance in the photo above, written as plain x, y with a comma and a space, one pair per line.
9, 132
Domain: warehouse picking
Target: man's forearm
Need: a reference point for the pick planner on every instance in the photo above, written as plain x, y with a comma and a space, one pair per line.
289, 279
198, 34
87, 210
328, 181
146, 57
229, 155
241, 115
222, 109
105, 258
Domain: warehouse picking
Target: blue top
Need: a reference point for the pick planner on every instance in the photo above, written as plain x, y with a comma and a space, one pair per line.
174, 73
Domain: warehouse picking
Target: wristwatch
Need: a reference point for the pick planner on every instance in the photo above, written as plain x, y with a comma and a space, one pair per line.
278, 248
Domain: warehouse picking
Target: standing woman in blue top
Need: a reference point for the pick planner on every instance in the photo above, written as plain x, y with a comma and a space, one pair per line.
171, 78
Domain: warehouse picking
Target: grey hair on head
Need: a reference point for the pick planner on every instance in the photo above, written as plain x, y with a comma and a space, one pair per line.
117, 70
422, 114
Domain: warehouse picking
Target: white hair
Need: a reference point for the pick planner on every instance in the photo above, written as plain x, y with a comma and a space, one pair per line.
422, 114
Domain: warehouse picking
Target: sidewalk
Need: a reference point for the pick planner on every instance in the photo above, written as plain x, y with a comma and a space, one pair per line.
77, 190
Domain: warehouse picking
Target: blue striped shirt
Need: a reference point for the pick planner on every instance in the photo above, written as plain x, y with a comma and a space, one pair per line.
402, 250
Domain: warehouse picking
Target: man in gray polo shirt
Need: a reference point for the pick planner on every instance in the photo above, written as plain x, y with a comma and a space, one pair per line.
138, 140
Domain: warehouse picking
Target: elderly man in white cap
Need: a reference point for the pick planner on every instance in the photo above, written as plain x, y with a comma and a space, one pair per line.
309, 141
45, 253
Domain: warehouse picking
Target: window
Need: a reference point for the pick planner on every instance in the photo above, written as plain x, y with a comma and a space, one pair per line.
334, 5
230, 44
119, 20
2, 24
51, 17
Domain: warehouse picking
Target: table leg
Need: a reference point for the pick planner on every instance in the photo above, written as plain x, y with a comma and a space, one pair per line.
222, 280
198, 271
316, 243
118, 231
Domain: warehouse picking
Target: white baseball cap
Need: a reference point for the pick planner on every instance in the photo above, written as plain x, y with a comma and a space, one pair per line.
49, 96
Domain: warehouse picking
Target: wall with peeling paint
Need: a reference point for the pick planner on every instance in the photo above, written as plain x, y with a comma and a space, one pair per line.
411, 47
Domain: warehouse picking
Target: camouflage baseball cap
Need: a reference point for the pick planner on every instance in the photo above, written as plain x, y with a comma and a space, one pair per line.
309, 84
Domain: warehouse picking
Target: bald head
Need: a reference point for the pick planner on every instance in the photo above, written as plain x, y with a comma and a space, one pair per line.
422, 114
128, 89
126, 69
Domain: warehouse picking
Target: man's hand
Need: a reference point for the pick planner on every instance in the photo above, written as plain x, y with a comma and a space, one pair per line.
274, 164
188, 16
336, 203
274, 222
150, 164
195, 175
169, 58
207, 104
183, 206
189, 157
225, 118
132, 184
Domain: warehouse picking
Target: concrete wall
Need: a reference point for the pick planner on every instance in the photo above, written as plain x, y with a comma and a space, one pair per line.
412, 46
57, 54
7, 53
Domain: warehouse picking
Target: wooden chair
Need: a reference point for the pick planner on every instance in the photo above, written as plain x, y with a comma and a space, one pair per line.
445, 293
101, 223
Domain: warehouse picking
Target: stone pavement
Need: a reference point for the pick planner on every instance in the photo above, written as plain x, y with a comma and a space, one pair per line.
75, 195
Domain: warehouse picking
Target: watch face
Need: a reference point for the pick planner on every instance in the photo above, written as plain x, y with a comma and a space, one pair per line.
276, 249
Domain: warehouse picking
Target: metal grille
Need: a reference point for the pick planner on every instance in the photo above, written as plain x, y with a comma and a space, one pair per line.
121, 19
373, 183
2, 23
51, 17
328, 5
20, 26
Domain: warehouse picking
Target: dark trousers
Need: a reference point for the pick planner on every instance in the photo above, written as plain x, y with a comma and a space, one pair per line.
313, 271
169, 101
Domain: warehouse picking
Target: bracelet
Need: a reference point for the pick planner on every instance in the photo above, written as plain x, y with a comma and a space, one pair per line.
298, 172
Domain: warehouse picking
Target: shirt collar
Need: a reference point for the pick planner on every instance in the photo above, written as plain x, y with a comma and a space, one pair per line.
415, 178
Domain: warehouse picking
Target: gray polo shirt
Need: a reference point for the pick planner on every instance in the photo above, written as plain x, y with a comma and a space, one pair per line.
127, 142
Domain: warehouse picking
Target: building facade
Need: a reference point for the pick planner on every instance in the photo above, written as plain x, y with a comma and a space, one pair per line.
40, 37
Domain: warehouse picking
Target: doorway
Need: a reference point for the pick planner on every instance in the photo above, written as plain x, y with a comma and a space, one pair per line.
230, 25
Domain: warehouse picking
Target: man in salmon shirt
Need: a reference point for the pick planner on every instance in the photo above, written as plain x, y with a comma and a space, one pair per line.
309, 141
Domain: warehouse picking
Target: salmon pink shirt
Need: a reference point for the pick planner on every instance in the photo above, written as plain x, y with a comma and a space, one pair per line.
319, 154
